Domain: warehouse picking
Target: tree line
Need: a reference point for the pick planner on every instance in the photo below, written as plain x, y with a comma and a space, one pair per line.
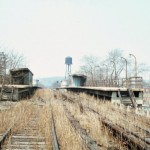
111, 69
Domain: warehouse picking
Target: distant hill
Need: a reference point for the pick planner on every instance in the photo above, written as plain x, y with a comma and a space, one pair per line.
48, 82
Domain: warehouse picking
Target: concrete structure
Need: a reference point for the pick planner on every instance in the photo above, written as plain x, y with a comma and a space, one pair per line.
16, 92
20, 87
114, 94
21, 76
77, 80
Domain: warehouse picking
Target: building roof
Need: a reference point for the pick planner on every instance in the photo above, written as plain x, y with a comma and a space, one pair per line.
21, 69
79, 75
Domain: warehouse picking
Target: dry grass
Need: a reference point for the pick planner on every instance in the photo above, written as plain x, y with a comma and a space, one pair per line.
20, 114
10, 116
93, 125
42, 98
44, 95
45, 125
68, 138
46, 100
90, 121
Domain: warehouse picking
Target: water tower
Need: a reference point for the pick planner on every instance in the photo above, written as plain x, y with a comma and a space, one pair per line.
68, 62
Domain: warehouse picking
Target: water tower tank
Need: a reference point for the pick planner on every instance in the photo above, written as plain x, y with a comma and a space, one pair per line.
68, 60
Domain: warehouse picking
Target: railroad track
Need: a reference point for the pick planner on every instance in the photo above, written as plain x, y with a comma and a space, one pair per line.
133, 140
26, 137
29, 136
138, 139
91, 144
55, 139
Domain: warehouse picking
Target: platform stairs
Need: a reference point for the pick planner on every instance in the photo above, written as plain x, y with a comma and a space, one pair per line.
127, 97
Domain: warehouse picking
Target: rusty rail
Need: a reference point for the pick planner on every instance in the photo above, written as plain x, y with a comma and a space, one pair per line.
130, 138
5, 136
7, 133
55, 139
90, 142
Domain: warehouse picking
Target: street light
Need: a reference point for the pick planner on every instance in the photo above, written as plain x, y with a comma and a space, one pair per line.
135, 67
126, 66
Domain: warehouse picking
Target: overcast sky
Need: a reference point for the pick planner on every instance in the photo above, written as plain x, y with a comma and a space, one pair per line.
46, 31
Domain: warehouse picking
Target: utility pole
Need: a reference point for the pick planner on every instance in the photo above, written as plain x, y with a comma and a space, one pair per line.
126, 67
115, 69
2, 71
2, 66
115, 81
135, 66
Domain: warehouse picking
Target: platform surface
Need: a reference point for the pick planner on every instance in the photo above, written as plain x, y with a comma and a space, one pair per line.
102, 88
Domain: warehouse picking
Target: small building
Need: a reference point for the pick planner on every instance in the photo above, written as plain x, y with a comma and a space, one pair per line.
21, 76
77, 80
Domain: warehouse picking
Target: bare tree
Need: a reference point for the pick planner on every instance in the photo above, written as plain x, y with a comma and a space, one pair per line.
91, 68
113, 71
143, 69
115, 62
15, 60
104, 71
9, 59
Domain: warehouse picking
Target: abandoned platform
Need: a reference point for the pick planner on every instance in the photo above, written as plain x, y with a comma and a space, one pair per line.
127, 96
16, 92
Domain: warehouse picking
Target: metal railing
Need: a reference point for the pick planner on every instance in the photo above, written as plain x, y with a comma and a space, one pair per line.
132, 82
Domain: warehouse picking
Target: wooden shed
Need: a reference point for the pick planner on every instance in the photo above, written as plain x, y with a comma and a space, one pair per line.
21, 76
